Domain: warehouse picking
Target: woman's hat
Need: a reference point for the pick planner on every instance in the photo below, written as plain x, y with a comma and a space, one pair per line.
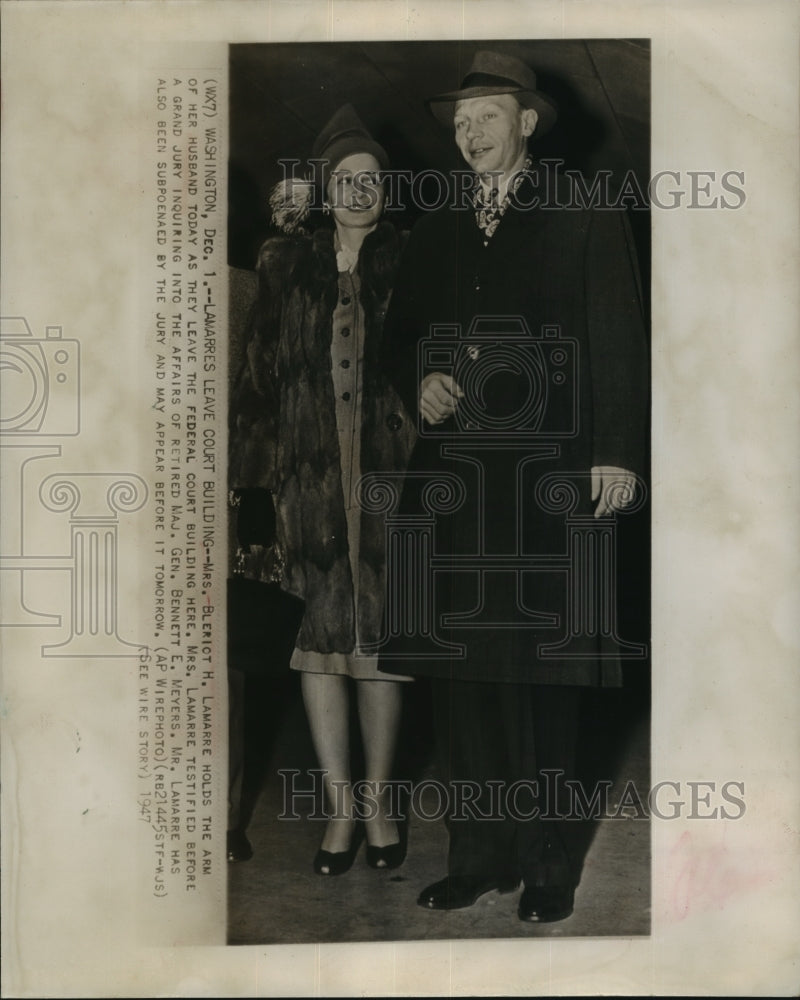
344, 135
494, 73
291, 199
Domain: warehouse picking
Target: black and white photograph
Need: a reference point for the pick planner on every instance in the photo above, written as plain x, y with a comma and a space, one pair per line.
439, 417
398, 505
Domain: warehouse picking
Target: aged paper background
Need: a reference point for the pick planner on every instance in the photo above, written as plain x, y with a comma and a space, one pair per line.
726, 697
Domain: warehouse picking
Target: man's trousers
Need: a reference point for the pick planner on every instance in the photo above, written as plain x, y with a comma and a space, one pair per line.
502, 750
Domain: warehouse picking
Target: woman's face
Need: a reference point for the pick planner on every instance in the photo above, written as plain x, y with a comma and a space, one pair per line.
355, 191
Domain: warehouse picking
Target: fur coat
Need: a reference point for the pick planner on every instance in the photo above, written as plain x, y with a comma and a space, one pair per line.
283, 434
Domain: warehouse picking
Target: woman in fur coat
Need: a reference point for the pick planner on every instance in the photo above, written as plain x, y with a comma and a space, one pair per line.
311, 413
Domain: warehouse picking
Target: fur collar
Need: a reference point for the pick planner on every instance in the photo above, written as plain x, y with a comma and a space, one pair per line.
377, 260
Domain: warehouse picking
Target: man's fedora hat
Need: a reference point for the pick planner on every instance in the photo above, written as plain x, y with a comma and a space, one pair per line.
344, 135
494, 73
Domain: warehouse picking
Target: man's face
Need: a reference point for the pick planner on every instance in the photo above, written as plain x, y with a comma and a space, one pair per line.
355, 191
491, 131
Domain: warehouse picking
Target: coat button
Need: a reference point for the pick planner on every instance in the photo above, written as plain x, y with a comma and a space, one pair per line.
346, 397
345, 363
345, 331
345, 300
394, 421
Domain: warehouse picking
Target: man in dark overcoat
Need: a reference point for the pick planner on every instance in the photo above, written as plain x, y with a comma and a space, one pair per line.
516, 333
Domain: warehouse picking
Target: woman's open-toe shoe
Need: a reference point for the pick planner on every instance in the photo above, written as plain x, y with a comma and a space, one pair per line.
392, 856
339, 862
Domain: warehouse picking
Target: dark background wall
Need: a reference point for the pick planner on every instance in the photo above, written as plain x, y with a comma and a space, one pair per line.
283, 94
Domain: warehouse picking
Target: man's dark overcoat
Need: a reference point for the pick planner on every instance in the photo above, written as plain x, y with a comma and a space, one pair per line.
556, 267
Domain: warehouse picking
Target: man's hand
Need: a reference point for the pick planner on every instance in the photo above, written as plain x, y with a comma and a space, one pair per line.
438, 397
615, 488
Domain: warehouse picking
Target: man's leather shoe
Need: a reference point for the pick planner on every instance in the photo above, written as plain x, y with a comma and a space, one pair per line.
544, 904
457, 891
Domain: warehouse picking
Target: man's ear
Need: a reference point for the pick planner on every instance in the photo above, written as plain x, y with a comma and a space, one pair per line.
529, 121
